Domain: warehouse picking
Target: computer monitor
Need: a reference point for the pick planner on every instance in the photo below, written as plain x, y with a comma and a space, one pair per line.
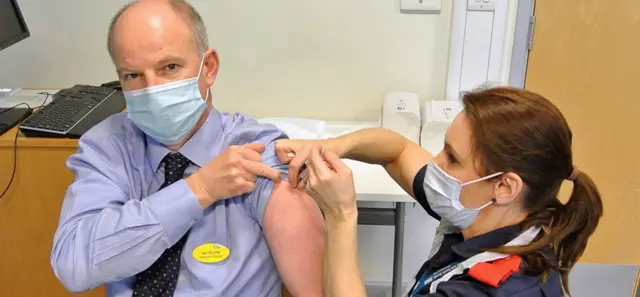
12, 25
13, 29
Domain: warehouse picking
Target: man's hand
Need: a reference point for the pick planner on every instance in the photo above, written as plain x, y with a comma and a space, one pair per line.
232, 173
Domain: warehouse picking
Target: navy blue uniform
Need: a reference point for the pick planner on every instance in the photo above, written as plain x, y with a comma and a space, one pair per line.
454, 249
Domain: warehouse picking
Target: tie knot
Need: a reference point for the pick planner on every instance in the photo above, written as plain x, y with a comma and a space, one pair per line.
175, 164
177, 159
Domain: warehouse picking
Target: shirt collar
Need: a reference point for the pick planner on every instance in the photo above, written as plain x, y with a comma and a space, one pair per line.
200, 148
493, 239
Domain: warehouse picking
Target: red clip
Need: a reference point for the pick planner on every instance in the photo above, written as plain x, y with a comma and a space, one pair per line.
496, 272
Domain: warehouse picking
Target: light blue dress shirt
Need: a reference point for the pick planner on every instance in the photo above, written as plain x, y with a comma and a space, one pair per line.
115, 223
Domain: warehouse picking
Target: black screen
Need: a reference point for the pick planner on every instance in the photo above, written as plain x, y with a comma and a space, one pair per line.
12, 26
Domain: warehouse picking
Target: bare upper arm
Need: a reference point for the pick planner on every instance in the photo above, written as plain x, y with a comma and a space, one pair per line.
404, 169
295, 231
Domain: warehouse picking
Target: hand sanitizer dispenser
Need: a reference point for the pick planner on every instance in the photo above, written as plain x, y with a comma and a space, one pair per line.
437, 115
401, 113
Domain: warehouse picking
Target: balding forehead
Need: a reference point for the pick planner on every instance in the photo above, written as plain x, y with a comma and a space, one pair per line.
149, 13
153, 12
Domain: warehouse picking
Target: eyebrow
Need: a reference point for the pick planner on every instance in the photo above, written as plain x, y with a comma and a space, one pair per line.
166, 60
125, 69
449, 148
171, 59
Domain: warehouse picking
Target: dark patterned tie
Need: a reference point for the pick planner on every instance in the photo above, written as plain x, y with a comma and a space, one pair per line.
161, 278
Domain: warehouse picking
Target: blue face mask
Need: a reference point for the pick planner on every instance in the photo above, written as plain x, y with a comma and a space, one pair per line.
168, 112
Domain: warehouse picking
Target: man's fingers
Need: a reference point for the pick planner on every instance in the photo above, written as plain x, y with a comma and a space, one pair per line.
246, 175
257, 147
242, 186
260, 169
248, 187
250, 154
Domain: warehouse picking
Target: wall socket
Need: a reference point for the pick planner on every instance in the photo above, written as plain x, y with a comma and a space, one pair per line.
481, 5
421, 6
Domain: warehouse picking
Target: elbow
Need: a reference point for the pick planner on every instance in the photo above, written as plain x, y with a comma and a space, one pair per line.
70, 279
70, 275
76, 288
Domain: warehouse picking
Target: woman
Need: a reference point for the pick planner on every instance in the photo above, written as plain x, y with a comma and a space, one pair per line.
496, 183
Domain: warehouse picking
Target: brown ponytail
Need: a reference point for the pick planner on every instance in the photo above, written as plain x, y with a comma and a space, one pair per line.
575, 223
566, 228
524, 133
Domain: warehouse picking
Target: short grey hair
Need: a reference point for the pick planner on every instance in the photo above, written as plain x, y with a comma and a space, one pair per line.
185, 11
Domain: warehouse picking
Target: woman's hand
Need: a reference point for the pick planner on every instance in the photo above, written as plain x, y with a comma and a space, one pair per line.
330, 183
295, 152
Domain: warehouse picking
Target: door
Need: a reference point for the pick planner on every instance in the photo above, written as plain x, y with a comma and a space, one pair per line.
585, 57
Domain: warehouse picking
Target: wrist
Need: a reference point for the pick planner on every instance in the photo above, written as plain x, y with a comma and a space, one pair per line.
344, 215
340, 145
335, 224
199, 190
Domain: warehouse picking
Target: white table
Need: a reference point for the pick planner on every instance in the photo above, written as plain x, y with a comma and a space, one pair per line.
32, 97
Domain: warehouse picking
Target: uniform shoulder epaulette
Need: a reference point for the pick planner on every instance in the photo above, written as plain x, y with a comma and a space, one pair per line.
496, 272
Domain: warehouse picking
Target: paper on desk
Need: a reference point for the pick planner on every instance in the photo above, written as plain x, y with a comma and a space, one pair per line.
33, 101
297, 128
335, 129
302, 128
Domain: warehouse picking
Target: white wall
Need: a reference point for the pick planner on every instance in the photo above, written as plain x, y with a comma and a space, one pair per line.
330, 59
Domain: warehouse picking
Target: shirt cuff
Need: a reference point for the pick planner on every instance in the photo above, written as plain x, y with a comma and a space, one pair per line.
262, 199
177, 209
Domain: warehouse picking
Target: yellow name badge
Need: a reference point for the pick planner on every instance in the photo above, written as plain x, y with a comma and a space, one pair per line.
211, 253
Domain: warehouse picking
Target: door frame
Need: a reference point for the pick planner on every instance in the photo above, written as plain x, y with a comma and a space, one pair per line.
522, 42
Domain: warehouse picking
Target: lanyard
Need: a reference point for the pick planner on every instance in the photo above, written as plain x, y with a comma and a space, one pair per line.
445, 273
427, 279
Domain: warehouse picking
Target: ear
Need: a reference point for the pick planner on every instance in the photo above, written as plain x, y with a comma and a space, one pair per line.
211, 66
508, 188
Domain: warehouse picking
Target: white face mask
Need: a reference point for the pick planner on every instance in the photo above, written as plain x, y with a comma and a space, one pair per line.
443, 196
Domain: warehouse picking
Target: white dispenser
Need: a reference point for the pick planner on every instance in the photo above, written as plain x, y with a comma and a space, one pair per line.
401, 113
437, 115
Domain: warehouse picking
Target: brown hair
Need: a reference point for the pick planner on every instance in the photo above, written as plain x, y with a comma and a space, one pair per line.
522, 132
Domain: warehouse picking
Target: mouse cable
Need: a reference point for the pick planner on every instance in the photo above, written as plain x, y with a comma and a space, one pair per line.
15, 144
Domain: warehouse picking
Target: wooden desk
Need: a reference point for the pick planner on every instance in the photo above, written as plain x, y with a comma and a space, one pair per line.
29, 213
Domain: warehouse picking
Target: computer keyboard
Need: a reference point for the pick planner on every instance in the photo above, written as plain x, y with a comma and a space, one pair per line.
74, 111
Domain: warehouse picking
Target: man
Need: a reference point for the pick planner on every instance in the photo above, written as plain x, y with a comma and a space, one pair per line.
173, 198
